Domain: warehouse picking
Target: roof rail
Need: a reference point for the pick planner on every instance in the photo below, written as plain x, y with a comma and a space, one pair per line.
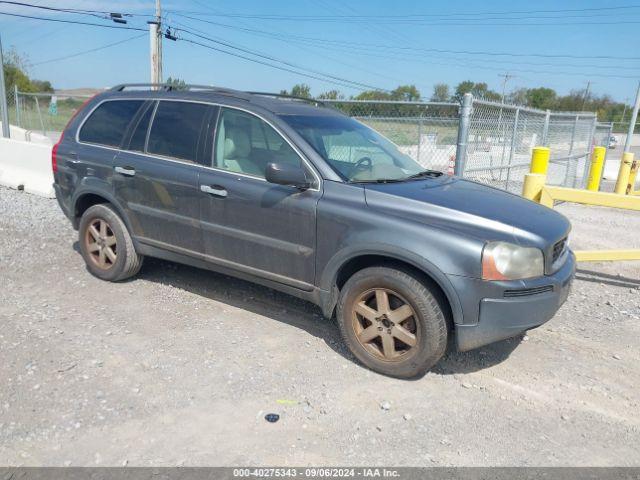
292, 97
167, 87
123, 86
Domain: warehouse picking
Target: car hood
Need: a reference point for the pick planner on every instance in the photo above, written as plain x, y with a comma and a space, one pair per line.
474, 209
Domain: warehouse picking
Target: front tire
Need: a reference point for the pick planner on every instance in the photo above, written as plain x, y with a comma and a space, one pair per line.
106, 246
392, 322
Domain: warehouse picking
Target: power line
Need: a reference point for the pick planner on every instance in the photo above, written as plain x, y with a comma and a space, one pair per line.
80, 11
469, 14
55, 9
75, 22
58, 59
266, 63
418, 49
308, 50
470, 22
277, 60
361, 49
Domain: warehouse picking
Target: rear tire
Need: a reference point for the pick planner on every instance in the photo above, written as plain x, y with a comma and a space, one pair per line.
392, 322
106, 246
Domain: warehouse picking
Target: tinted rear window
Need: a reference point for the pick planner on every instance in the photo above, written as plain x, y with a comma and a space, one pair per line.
107, 124
176, 129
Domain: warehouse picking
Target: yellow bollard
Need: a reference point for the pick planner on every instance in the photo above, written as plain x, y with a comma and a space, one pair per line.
540, 160
623, 174
631, 186
533, 185
595, 172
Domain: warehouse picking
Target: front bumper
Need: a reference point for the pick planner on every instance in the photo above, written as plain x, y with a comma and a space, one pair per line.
489, 315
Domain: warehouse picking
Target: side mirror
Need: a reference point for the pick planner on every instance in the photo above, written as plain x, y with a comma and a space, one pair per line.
285, 174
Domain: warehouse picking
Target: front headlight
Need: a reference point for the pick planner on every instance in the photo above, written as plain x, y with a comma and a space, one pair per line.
506, 261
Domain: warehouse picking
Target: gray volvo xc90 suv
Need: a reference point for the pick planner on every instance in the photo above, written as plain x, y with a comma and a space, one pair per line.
306, 200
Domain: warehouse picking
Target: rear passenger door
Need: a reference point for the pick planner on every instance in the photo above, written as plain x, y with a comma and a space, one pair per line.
100, 138
156, 175
249, 224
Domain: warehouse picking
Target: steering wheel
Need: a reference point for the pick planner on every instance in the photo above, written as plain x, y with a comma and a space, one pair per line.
364, 162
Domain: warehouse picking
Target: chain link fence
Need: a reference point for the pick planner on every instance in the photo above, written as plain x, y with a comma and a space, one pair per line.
43, 113
490, 144
501, 138
426, 131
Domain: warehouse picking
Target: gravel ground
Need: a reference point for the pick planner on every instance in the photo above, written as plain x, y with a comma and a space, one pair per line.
179, 367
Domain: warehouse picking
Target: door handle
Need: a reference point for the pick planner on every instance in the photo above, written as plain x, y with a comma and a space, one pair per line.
128, 171
216, 190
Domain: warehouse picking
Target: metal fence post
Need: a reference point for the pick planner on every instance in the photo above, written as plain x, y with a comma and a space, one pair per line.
419, 137
463, 134
571, 145
606, 152
545, 129
16, 98
6, 132
513, 147
44, 132
588, 159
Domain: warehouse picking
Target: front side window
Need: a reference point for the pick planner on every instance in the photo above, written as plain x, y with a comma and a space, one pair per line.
246, 144
107, 124
354, 150
176, 128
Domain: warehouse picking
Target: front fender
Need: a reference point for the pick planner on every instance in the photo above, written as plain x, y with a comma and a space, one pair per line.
392, 252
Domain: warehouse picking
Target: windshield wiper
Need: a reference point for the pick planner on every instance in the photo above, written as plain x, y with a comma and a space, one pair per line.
426, 173
379, 180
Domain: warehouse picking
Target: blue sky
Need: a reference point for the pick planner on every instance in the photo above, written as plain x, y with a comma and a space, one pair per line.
388, 48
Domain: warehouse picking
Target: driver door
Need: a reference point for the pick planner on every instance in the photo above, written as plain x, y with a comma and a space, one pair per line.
247, 223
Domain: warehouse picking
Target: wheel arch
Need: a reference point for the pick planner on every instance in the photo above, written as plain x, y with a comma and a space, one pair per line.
348, 265
88, 197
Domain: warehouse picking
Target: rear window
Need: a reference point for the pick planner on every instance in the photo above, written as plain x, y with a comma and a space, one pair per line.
107, 124
175, 130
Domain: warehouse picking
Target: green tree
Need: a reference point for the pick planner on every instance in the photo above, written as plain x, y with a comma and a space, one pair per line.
373, 95
15, 73
406, 93
331, 95
462, 88
42, 85
478, 90
440, 93
176, 83
518, 96
571, 102
542, 98
301, 90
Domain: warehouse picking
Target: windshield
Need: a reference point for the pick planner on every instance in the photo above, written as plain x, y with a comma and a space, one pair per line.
357, 152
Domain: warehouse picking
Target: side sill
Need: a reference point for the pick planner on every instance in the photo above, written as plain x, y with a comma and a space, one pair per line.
156, 249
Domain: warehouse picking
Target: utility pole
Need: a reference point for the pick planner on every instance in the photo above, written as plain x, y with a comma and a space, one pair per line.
624, 110
506, 77
155, 39
3, 98
632, 123
586, 95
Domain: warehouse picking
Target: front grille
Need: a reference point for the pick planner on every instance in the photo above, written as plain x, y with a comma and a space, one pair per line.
558, 249
523, 292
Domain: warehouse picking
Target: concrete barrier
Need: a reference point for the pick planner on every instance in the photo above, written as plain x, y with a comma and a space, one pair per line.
26, 165
18, 133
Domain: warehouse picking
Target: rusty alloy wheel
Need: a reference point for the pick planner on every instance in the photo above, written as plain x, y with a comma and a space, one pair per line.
385, 324
100, 243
